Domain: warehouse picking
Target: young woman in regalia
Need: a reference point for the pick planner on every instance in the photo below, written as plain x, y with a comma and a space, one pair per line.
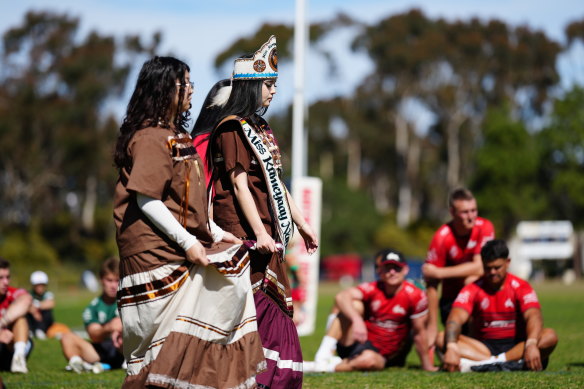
184, 296
251, 201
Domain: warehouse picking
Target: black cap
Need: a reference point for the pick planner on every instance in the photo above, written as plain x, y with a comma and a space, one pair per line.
390, 256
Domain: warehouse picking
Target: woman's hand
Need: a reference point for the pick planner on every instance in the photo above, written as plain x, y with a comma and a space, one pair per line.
265, 244
197, 254
228, 237
310, 240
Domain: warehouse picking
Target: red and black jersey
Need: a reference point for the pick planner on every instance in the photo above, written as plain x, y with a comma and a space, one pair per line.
11, 294
388, 318
447, 249
498, 315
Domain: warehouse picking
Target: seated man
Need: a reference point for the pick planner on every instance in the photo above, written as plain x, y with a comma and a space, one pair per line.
40, 314
15, 345
103, 326
377, 320
506, 321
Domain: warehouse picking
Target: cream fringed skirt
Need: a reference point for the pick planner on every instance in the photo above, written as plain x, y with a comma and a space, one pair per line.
188, 326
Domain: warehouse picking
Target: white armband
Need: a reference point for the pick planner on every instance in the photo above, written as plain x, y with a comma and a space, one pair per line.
156, 211
216, 231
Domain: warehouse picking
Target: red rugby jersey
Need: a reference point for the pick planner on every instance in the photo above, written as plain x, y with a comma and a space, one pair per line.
388, 318
11, 294
446, 249
498, 315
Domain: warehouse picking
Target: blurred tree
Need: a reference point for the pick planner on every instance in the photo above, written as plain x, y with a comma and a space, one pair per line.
456, 71
575, 31
349, 220
505, 182
56, 134
561, 147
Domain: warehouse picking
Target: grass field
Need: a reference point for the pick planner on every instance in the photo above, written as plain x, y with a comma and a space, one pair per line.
563, 308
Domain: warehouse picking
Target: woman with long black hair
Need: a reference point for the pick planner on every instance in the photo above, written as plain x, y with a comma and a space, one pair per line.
185, 324
251, 201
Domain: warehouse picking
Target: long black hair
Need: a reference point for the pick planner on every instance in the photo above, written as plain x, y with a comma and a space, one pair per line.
151, 102
245, 100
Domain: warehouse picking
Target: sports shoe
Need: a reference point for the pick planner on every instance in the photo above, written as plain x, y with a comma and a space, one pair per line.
76, 364
500, 366
18, 364
40, 334
321, 366
97, 368
309, 367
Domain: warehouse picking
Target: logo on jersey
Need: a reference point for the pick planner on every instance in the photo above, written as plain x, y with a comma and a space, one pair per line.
375, 304
388, 324
422, 305
409, 289
432, 257
471, 244
530, 298
485, 304
367, 287
509, 304
515, 284
462, 297
398, 309
453, 251
500, 324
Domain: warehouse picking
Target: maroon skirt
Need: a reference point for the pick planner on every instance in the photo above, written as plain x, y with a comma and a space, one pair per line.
281, 345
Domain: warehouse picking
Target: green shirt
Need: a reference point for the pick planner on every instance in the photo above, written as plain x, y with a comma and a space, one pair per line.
99, 312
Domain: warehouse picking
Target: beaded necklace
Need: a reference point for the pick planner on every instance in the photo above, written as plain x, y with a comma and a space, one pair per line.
271, 144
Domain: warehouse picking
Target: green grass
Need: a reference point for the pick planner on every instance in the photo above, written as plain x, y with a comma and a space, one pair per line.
563, 308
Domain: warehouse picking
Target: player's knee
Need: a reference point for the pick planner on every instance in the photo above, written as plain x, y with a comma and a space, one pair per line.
548, 338
68, 338
368, 360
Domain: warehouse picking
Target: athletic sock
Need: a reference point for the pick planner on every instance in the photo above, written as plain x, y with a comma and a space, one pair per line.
500, 358
327, 347
329, 320
74, 359
20, 348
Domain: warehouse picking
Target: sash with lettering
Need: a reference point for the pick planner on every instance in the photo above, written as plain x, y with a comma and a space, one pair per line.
276, 188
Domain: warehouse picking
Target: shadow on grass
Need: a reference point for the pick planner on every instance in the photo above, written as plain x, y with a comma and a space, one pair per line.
575, 364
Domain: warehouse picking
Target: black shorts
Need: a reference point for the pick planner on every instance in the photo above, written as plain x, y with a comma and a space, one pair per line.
498, 346
109, 354
7, 352
355, 349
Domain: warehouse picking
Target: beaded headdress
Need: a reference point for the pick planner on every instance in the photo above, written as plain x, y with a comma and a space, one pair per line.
263, 65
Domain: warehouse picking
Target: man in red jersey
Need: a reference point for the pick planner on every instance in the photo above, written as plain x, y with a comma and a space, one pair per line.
506, 320
15, 345
454, 257
379, 321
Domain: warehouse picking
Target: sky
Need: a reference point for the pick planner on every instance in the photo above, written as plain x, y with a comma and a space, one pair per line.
195, 31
